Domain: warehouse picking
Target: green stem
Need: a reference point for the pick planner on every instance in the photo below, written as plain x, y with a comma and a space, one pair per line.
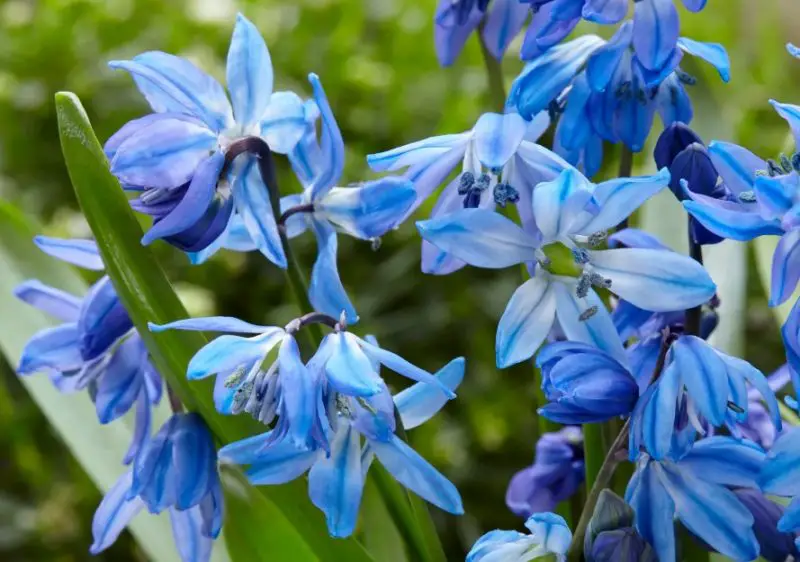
494, 74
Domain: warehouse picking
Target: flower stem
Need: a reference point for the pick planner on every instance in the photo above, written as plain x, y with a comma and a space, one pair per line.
625, 171
494, 74
694, 315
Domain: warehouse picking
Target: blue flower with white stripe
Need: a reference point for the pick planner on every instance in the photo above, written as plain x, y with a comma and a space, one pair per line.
572, 212
549, 535
175, 471
95, 348
362, 429
180, 158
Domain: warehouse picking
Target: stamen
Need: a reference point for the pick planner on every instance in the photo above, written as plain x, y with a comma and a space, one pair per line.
735, 407
597, 239
467, 180
483, 182
786, 163
504, 193
685, 77
773, 169
588, 313
375, 243
580, 255
599, 281
796, 161
583, 286
747, 197
236, 377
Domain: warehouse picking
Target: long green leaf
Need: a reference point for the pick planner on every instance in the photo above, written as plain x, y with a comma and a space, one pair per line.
149, 297
98, 448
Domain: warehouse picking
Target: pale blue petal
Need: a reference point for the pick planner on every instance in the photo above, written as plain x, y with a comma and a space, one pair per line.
431, 173
654, 511
349, 369
280, 464
213, 324
55, 302
114, 514
142, 426
54, 348
226, 353
298, 393
736, 165
434, 261
713, 53
187, 531
655, 280
497, 138
326, 292
774, 196
335, 484
537, 126
705, 376
252, 201
416, 474
552, 532
83, 253
332, 144
760, 385
725, 461
297, 224
658, 413
417, 152
785, 268
249, 73
792, 115
729, 219
526, 322
618, 199
558, 205
421, 401
503, 22
480, 237
283, 123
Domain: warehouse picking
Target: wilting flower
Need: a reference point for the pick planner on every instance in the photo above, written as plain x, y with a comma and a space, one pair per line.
571, 212
697, 381
556, 474
96, 347
365, 212
776, 546
500, 164
336, 476
584, 384
176, 470
693, 487
549, 534
180, 157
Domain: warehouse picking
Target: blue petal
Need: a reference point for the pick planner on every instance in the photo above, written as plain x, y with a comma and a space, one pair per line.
780, 474
326, 291
785, 268
113, 514
82, 253
174, 85
332, 144
211, 324
618, 199
725, 461
195, 459
656, 28
417, 152
335, 484
673, 102
403, 367
249, 73
481, 238
712, 513
552, 532
187, 532
526, 322
638, 275
165, 154
604, 62
761, 385
55, 302
497, 138
349, 369
434, 261
713, 53
792, 115
102, 320
657, 410
370, 210
450, 36
705, 377
574, 129
503, 22
272, 462
736, 165
251, 198
142, 426
500, 545
774, 197
695, 5
605, 11
55, 348
420, 402
298, 393
297, 223
730, 220
416, 474
654, 510
283, 123
558, 205
122, 382
432, 172
226, 353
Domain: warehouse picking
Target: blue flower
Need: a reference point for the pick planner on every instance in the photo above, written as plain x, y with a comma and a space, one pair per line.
549, 534
758, 426
365, 212
455, 20
776, 546
176, 470
610, 536
179, 157
556, 474
698, 384
779, 477
96, 346
336, 477
572, 212
584, 384
694, 488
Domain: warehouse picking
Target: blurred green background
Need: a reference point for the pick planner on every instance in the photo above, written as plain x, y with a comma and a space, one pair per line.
376, 60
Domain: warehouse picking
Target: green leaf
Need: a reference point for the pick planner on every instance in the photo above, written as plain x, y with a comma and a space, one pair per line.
148, 296
98, 448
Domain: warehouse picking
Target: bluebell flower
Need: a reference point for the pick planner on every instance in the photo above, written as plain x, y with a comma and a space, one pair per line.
572, 212
556, 474
693, 487
179, 157
584, 384
549, 534
176, 471
779, 478
776, 546
456, 20
758, 426
95, 348
365, 212
500, 164
610, 535
286, 388
698, 385
361, 429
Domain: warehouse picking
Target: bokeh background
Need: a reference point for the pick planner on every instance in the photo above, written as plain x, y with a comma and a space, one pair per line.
376, 60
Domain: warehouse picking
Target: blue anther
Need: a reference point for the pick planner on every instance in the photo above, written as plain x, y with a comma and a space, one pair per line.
466, 182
